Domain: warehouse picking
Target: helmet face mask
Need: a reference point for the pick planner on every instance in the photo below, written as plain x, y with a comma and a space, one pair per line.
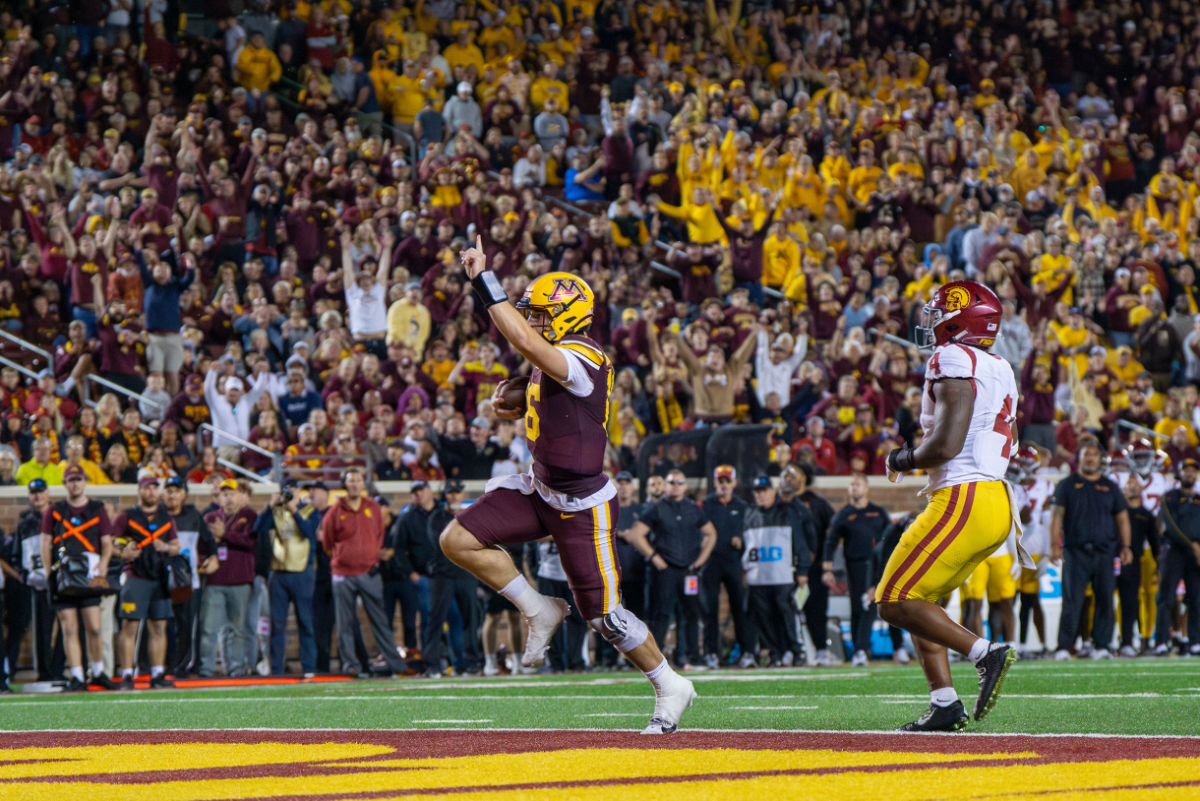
1141, 457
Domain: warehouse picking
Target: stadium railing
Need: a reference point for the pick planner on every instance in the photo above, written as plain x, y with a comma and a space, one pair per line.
276, 461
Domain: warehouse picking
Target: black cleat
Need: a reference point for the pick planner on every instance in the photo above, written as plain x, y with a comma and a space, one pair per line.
104, 683
940, 718
126, 683
75, 686
991, 669
161, 683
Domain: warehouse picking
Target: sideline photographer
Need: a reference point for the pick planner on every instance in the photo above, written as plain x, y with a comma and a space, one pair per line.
292, 545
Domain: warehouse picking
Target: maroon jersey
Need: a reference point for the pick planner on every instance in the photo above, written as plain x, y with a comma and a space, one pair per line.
566, 433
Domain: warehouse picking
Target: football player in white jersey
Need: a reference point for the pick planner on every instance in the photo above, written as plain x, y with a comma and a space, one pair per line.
1150, 467
1036, 538
968, 407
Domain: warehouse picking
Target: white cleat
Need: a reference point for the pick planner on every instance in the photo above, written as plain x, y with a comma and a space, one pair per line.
823, 659
1128, 652
1101, 653
541, 628
860, 659
669, 707
1062, 655
901, 657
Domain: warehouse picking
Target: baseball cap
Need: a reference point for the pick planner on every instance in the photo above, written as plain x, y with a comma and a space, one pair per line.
463, 86
419, 484
46, 373
346, 408
233, 382
1189, 462
177, 482
454, 485
74, 471
228, 483
149, 481
481, 422
1076, 310
762, 482
1098, 351
314, 484
726, 471
193, 382
1121, 272
624, 475
38, 485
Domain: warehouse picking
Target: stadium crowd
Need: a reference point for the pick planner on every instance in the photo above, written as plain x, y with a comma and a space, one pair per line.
248, 230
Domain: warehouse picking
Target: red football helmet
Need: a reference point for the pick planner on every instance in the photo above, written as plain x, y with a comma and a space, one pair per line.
1029, 457
965, 312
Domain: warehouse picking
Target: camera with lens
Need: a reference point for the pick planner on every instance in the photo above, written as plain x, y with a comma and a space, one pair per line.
286, 497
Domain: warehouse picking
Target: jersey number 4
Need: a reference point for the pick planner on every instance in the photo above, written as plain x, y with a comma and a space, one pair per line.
1003, 426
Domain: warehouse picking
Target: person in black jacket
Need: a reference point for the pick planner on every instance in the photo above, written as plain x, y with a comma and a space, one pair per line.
194, 536
795, 486
33, 605
406, 554
1143, 533
1179, 515
681, 538
471, 457
449, 583
858, 527
728, 515
777, 537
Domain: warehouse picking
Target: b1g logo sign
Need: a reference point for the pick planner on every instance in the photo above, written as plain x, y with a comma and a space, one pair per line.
564, 289
771, 554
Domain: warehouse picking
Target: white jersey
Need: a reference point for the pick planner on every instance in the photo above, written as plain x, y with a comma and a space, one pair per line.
989, 443
1154, 486
1036, 534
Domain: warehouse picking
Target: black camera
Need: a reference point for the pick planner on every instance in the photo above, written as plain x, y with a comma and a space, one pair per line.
286, 497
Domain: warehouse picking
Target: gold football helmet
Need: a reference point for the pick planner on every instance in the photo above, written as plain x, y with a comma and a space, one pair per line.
558, 304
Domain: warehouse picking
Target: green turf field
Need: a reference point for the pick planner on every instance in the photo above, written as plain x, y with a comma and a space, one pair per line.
1143, 696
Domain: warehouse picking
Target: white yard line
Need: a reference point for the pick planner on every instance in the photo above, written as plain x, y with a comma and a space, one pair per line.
773, 708
948, 735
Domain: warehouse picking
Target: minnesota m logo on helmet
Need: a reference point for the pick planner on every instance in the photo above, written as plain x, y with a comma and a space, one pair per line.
566, 301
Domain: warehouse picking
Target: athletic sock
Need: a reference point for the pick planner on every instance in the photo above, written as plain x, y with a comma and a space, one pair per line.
662, 677
97, 670
156, 671
77, 673
943, 696
489, 660
524, 597
978, 650
127, 673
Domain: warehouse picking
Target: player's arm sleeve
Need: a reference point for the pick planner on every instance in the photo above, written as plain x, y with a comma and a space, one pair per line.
581, 361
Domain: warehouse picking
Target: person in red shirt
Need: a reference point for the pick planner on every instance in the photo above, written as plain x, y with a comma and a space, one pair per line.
824, 450
352, 533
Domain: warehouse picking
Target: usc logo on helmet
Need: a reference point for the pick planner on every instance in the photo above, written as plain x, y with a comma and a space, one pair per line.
957, 298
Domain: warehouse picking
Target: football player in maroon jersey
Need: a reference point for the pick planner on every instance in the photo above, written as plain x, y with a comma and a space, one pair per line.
566, 496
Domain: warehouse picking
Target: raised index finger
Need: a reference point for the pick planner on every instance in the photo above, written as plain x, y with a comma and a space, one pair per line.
479, 242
